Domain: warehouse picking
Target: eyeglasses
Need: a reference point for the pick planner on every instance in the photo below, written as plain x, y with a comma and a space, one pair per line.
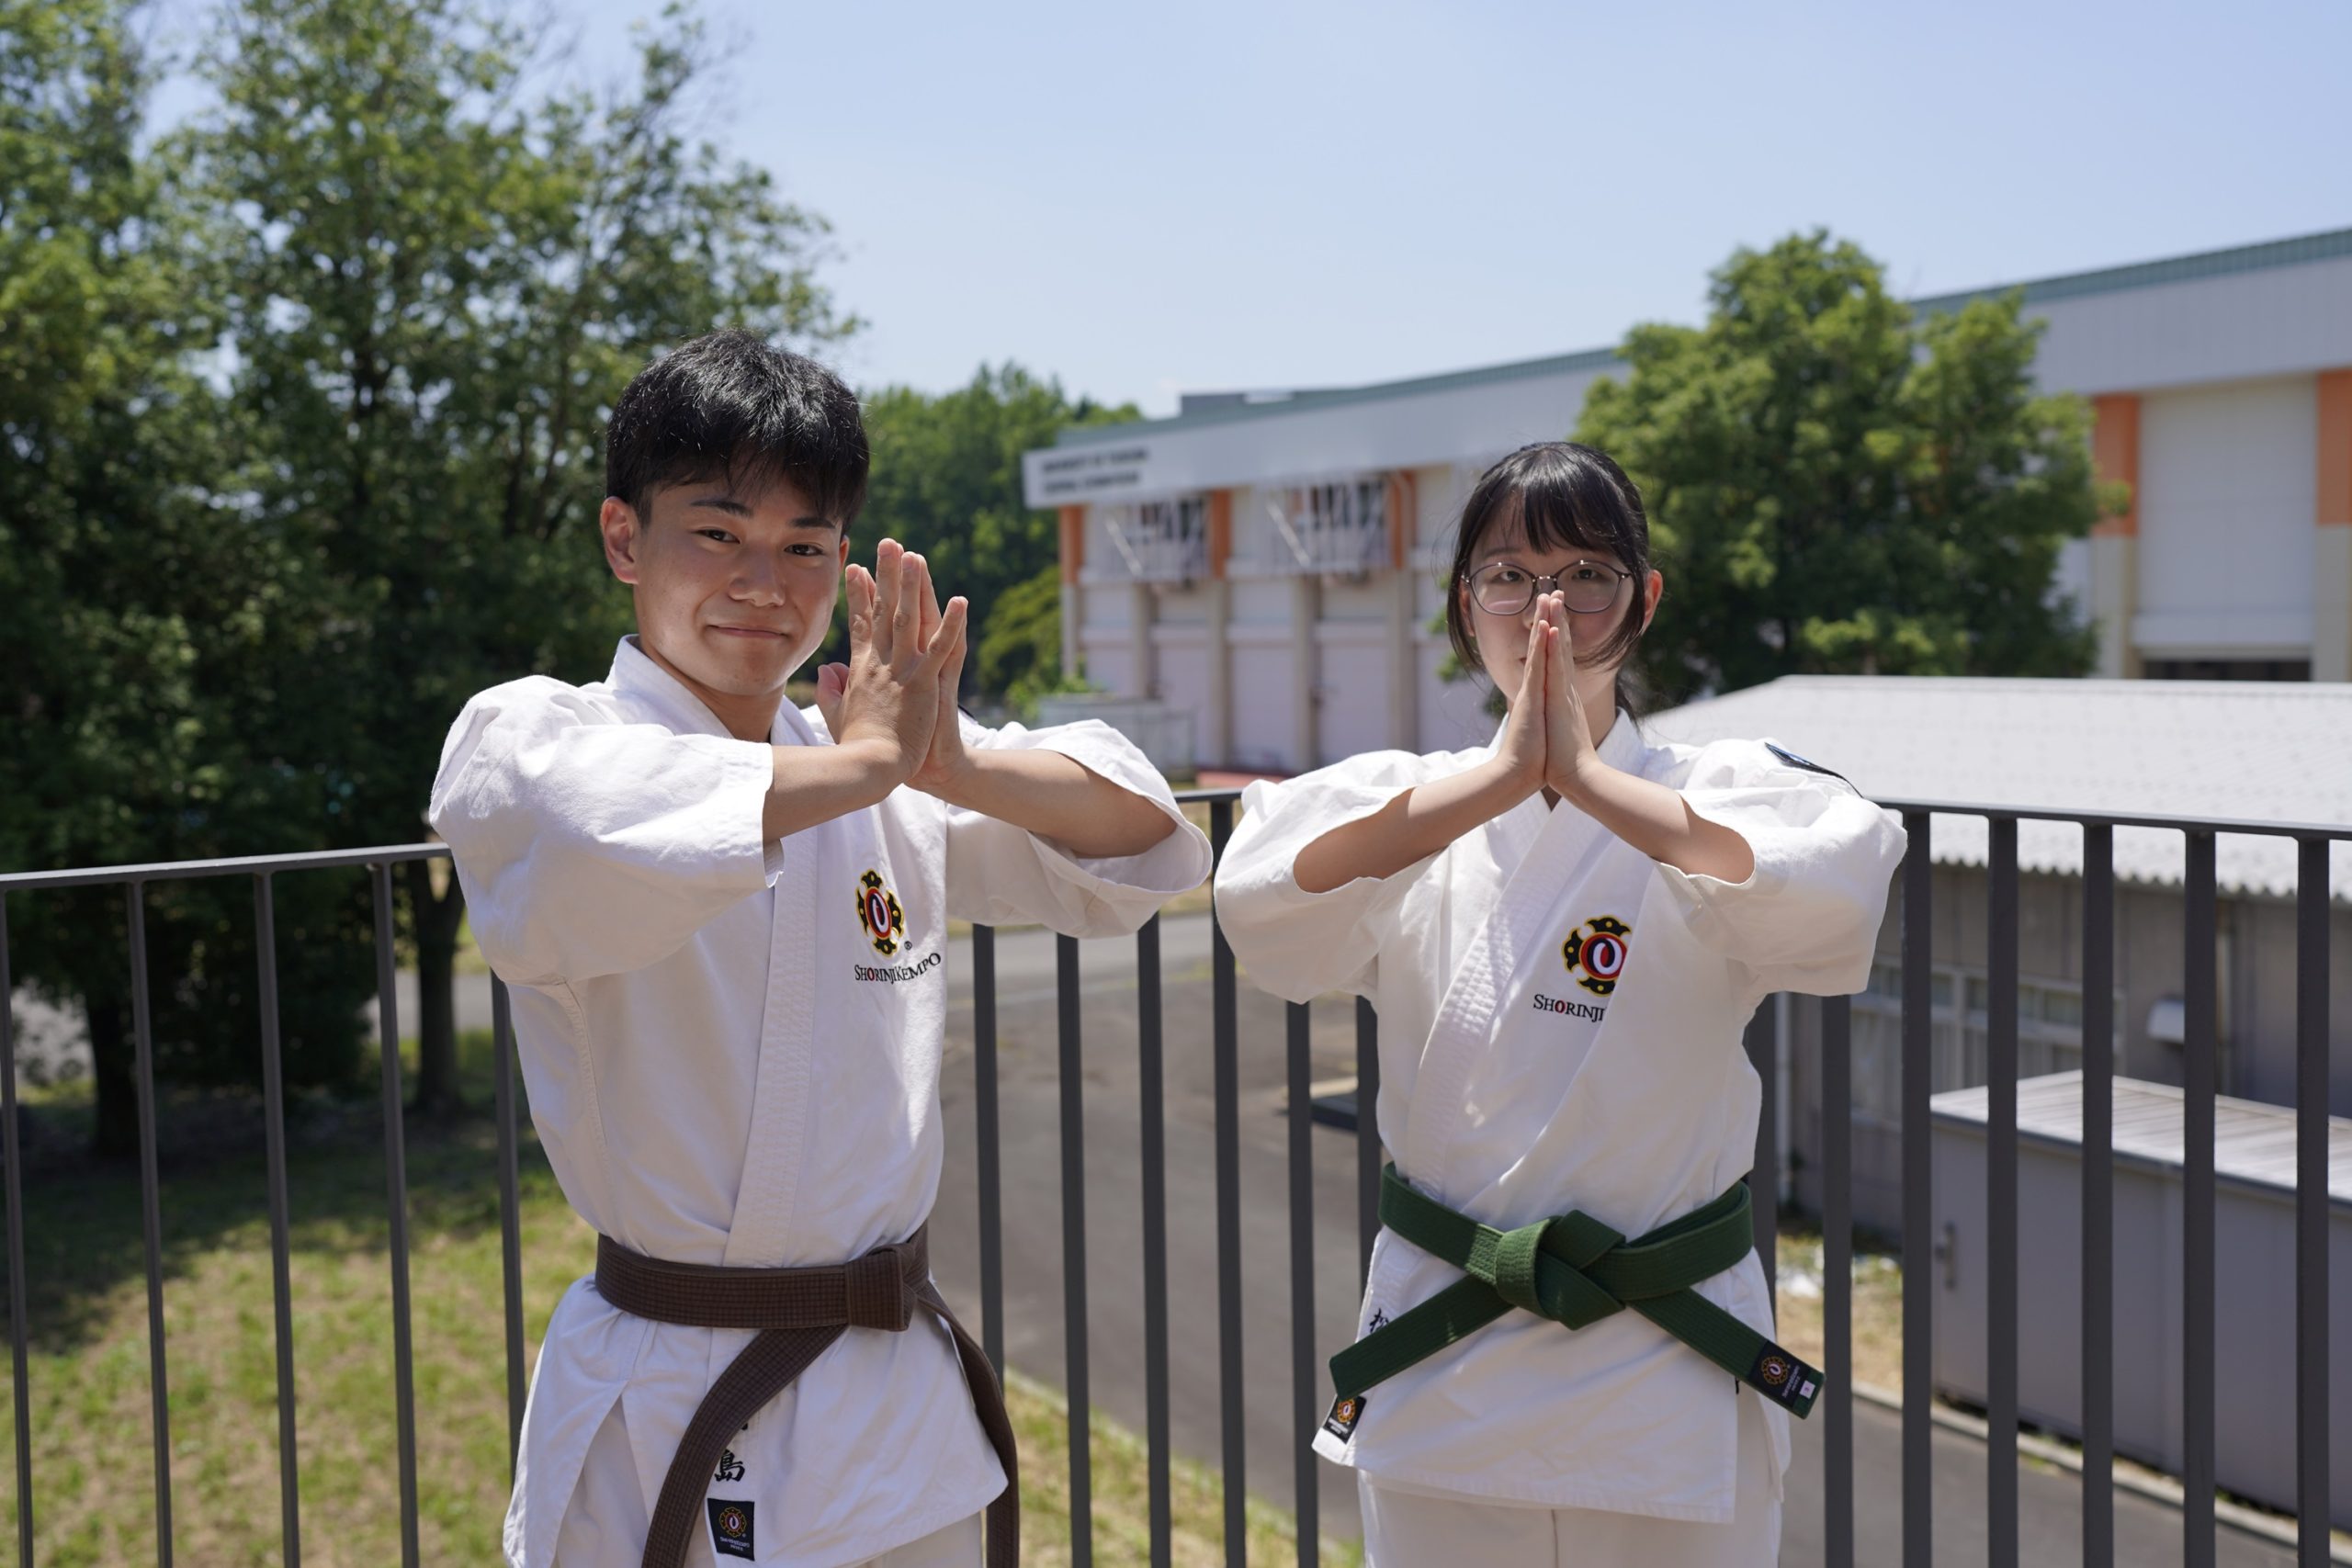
1587, 587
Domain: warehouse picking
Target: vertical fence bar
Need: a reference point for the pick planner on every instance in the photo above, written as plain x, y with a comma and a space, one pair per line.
2097, 1359
1918, 1212
2311, 1202
150, 1217
2199, 987
992, 1169
510, 1208
2001, 1196
12, 1158
1367, 1132
1154, 1151
273, 1091
1227, 1029
1838, 1279
396, 1207
1764, 1180
1302, 1280
1081, 1505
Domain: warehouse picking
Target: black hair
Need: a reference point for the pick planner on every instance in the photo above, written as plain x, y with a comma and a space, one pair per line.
729, 406
1565, 497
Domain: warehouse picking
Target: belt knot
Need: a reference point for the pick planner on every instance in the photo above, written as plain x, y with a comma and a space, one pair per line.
879, 1294
1506, 1260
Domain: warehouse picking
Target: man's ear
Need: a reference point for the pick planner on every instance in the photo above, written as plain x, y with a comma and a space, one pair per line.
618, 522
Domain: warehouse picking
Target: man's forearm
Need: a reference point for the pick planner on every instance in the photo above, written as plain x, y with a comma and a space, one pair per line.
1058, 798
816, 784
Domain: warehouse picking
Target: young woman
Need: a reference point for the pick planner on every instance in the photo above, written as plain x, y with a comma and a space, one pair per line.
1565, 932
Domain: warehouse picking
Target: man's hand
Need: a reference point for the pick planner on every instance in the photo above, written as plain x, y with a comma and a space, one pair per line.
885, 700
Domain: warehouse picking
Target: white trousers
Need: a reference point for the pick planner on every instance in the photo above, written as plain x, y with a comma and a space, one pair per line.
1411, 1529
605, 1524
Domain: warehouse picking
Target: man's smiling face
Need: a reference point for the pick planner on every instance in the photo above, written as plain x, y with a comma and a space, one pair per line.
734, 587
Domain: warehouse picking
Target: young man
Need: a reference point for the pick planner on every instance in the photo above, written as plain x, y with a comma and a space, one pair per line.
725, 926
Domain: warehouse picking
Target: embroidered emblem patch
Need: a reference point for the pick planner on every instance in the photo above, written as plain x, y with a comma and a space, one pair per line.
1345, 1413
731, 1526
1598, 948
878, 912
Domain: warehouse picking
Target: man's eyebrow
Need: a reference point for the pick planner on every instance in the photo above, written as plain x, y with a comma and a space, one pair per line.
722, 503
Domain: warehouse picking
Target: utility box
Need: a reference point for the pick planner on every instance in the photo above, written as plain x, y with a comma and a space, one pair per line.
1162, 734
2253, 1230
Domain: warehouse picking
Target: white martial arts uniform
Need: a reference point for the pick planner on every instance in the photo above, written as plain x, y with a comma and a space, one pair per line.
732, 1049
1560, 1021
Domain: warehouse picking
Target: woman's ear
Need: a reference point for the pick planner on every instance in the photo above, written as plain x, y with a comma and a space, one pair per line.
618, 522
1653, 589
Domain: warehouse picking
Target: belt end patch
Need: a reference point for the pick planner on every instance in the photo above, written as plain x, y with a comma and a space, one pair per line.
1781, 1377
731, 1526
1345, 1413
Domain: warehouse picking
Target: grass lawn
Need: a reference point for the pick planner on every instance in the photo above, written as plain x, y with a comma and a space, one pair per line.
93, 1445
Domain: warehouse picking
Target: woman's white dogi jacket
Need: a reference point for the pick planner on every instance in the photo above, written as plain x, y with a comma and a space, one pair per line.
732, 1049
1560, 1021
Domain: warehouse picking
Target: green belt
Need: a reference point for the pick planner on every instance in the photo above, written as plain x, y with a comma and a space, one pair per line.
1574, 1270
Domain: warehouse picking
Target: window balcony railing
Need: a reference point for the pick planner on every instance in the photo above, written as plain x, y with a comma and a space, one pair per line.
2190, 1383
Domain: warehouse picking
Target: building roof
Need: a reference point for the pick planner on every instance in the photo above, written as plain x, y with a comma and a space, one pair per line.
2224, 750
2253, 1142
2291, 252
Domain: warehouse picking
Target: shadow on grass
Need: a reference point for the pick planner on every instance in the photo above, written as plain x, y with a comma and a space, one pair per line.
84, 1231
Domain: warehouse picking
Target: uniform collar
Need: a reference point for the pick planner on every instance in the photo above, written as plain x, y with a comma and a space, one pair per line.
636, 677
1623, 748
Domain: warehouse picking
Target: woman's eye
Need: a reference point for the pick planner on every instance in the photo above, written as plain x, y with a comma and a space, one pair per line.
1585, 574
1508, 576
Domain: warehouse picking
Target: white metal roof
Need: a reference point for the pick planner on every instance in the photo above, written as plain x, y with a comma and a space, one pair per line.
2252, 750
2251, 1142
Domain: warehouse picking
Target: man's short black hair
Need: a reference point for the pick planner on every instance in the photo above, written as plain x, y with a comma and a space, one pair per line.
729, 406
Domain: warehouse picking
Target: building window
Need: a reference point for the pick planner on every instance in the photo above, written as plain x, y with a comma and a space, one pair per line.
2050, 1034
1334, 525
2227, 668
1159, 541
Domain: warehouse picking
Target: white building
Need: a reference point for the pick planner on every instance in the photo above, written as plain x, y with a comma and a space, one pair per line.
1269, 564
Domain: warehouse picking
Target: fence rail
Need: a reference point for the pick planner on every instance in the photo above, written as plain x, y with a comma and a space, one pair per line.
2196, 1373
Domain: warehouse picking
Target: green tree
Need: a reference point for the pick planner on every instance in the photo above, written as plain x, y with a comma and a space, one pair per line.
947, 481
144, 612
440, 282
1836, 485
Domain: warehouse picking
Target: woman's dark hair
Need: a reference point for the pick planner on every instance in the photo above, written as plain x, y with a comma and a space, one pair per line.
731, 406
1566, 497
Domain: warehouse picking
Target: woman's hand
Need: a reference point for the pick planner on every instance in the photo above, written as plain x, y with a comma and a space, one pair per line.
1524, 751
1570, 755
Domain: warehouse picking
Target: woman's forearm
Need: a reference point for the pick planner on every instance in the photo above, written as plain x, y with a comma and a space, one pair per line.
1658, 822
1415, 825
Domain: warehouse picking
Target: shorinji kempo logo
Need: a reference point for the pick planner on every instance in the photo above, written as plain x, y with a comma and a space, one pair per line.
878, 912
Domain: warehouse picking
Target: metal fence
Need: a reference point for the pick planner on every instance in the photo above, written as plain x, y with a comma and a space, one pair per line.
2195, 1375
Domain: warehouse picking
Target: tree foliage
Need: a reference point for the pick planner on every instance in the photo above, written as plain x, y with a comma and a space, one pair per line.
1834, 485
947, 481
439, 280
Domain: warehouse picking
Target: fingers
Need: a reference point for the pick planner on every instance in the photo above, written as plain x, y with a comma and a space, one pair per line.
927, 627
1564, 657
888, 568
1530, 674
946, 651
832, 681
906, 614
858, 583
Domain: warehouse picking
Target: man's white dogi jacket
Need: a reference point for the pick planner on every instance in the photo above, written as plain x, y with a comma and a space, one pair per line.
733, 1049
1560, 1022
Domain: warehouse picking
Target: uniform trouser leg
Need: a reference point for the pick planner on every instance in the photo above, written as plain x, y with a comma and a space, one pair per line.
1408, 1531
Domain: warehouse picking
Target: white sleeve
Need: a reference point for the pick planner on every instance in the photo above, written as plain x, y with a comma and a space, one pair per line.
998, 873
1295, 943
1807, 917
587, 847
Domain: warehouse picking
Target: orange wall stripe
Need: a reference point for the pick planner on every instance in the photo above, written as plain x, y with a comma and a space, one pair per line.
2115, 454
2334, 449
1220, 533
1074, 541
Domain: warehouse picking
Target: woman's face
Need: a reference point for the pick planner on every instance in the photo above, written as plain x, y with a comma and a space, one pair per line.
1502, 639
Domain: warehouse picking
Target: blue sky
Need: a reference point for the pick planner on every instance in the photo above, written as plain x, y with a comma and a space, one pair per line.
1199, 196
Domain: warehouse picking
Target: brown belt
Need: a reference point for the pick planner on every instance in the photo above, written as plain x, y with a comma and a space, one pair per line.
799, 1312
